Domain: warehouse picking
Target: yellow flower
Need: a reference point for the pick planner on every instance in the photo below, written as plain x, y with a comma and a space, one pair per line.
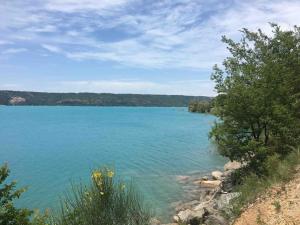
110, 173
123, 186
101, 193
96, 175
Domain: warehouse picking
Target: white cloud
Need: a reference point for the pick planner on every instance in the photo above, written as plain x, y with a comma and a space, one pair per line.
52, 48
161, 34
71, 6
14, 50
47, 29
184, 87
5, 42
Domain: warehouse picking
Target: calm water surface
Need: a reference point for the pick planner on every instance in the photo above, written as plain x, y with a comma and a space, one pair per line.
48, 147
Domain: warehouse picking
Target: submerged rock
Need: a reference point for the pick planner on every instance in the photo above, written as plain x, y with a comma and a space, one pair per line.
154, 221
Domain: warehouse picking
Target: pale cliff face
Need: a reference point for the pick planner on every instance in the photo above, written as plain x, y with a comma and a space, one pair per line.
16, 100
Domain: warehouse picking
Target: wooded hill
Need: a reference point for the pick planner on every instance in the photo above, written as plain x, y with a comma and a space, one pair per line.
94, 99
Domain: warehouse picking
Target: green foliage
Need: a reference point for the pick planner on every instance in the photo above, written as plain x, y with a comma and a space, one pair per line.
9, 214
258, 96
107, 201
200, 106
94, 99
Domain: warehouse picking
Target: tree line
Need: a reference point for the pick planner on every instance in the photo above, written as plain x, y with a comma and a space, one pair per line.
94, 99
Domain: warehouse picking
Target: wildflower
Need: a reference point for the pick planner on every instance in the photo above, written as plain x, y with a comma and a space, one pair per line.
110, 173
101, 193
96, 175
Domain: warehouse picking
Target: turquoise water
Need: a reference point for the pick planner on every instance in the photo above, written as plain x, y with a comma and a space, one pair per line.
48, 147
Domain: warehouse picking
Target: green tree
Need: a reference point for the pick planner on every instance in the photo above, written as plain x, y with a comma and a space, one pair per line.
258, 95
200, 106
9, 214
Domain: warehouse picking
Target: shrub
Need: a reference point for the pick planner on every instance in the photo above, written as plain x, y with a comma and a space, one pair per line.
106, 201
9, 214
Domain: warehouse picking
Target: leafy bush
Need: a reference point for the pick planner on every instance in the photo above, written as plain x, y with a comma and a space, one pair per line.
9, 214
106, 201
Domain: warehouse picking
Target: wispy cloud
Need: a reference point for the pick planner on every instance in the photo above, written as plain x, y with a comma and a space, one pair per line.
182, 87
14, 50
52, 48
71, 6
4, 42
156, 34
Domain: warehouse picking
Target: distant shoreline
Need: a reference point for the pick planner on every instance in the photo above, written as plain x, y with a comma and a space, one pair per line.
11, 98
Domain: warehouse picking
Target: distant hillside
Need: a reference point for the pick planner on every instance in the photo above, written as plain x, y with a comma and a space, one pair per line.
93, 99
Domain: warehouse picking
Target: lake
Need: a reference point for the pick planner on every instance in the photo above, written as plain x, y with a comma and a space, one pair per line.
47, 148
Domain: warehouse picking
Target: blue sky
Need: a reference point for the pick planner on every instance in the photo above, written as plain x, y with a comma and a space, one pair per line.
125, 46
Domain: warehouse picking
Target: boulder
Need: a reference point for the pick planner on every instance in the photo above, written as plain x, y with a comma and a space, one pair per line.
210, 183
216, 220
224, 200
232, 165
217, 175
183, 216
191, 217
187, 205
154, 221
204, 178
197, 217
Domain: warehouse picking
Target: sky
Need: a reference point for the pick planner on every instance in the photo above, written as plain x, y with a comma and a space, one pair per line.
126, 46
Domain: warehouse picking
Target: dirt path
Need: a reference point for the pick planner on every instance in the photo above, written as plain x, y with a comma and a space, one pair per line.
280, 206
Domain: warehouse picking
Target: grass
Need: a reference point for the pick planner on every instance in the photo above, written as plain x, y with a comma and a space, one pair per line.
106, 201
277, 206
277, 170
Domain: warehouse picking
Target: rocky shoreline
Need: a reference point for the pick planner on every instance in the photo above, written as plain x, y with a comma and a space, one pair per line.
215, 191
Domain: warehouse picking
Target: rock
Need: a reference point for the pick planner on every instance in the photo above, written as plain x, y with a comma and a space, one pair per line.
183, 216
197, 217
232, 165
210, 183
191, 217
154, 221
217, 175
204, 178
216, 220
223, 201
182, 179
205, 195
187, 205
